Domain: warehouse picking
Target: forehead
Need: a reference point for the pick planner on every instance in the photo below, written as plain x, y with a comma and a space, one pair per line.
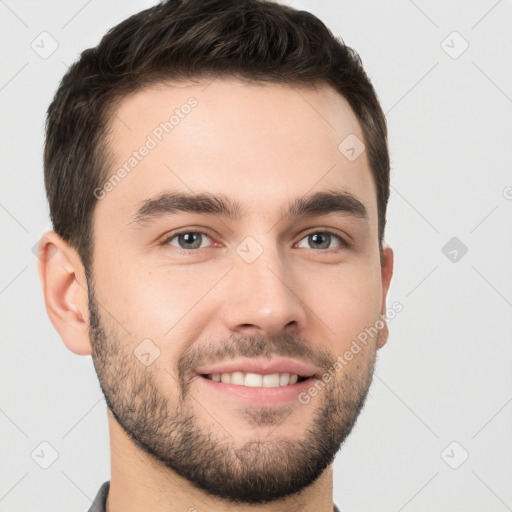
264, 145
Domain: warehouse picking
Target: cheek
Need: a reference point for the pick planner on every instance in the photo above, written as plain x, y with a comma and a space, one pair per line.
173, 306
167, 306
345, 301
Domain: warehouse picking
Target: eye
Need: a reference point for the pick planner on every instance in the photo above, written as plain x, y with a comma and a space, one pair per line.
187, 240
322, 240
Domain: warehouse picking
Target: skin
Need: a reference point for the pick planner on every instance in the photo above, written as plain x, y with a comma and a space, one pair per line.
262, 146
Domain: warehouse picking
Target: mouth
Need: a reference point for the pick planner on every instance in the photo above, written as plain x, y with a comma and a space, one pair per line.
258, 382
258, 373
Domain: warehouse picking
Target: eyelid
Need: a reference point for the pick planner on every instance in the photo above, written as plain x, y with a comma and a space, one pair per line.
171, 234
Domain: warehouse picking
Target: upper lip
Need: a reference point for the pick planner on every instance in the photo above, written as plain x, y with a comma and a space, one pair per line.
261, 366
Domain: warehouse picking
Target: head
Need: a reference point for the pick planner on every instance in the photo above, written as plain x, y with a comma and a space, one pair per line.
218, 174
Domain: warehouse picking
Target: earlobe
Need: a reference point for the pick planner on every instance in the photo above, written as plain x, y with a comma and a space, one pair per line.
386, 275
64, 286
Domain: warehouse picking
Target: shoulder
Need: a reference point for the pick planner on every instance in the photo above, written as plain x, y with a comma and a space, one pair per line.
100, 501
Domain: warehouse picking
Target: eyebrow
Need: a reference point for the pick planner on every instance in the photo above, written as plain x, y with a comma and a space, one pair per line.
319, 203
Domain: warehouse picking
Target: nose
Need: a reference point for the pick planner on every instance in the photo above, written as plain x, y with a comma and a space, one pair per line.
263, 297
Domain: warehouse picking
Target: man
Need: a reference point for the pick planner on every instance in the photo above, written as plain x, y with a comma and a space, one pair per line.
218, 174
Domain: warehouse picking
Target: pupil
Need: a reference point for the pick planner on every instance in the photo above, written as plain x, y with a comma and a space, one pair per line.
317, 238
190, 238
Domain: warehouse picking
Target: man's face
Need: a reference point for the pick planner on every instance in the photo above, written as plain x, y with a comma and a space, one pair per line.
182, 291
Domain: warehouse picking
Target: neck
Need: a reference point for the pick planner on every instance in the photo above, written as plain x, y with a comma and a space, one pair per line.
138, 482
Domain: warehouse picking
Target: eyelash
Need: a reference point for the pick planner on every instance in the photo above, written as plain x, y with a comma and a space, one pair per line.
343, 244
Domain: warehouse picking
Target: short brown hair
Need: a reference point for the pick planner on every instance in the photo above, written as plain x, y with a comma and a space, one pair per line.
255, 40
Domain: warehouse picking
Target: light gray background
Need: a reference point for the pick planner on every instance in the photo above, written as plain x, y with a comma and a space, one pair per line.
445, 374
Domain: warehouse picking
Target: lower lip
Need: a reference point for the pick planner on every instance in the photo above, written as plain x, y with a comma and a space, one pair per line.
259, 396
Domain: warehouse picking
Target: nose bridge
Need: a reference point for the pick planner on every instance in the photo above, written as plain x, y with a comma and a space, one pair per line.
262, 291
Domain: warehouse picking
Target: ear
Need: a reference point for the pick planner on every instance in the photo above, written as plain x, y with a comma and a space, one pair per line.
386, 275
62, 277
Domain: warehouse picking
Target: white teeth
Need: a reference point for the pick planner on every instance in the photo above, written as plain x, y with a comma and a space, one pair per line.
255, 380
237, 378
271, 381
284, 379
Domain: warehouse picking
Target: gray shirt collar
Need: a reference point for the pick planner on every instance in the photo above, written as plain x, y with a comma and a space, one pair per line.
100, 502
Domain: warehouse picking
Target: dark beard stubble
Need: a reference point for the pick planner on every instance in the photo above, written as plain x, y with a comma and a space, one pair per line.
259, 471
